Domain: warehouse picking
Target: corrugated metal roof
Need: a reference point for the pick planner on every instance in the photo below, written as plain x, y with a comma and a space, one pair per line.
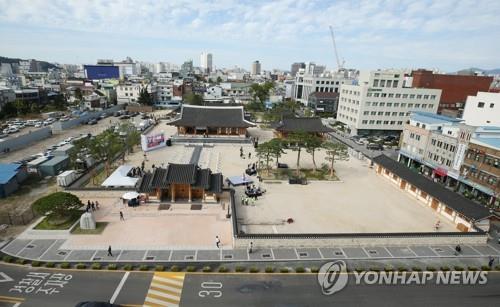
7, 171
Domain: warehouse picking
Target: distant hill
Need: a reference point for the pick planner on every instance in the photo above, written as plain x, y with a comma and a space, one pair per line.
44, 66
495, 71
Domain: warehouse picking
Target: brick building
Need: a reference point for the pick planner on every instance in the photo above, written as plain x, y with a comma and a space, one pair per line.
455, 88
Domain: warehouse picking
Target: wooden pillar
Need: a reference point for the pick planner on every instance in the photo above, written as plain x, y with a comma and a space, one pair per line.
172, 193
190, 194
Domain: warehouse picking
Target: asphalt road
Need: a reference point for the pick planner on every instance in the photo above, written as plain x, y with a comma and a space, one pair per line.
71, 288
303, 290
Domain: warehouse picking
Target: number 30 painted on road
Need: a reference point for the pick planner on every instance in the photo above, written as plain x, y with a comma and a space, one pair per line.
210, 293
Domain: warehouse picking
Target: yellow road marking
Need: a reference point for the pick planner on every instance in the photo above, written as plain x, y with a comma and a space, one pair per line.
165, 289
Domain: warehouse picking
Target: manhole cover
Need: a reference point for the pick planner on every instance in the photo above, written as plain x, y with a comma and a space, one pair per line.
303, 254
266, 255
439, 250
372, 252
30, 246
62, 253
339, 253
150, 258
189, 258
228, 256
97, 258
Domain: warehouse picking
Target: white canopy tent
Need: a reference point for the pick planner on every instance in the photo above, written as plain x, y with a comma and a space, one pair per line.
119, 178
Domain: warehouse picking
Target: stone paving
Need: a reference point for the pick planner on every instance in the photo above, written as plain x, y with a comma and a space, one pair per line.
50, 250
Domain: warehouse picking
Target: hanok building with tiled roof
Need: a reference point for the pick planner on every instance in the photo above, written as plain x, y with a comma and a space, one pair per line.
312, 125
182, 182
205, 120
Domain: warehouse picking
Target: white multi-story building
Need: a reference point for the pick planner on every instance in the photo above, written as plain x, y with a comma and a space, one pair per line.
482, 109
206, 62
382, 101
129, 92
164, 92
306, 84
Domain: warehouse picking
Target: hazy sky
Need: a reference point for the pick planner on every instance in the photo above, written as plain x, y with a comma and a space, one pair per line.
443, 34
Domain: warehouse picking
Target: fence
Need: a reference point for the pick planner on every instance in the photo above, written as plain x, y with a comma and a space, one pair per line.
60, 126
25, 140
22, 218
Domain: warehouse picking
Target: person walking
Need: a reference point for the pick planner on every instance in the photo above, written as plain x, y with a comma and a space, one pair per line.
458, 249
250, 248
110, 254
490, 262
121, 216
97, 205
217, 241
249, 155
92, 204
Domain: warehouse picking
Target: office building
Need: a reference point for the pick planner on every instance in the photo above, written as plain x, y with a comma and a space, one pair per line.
306, 84
381, 102
482, 109
256, 68
206, 62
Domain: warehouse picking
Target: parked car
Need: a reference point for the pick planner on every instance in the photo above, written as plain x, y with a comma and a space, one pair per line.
375, 146
65, 118
38, 124
92, 121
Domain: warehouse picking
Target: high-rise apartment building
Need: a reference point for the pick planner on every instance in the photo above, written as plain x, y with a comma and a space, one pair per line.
295, 68
256, 68
206, 62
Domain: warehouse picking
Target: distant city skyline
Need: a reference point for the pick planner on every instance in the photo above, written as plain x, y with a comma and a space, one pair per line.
444, 34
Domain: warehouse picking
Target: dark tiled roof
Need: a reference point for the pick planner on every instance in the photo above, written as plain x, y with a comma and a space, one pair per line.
216, 117
203, 178
145, 183
216, 183
304, 124
181, 173
453, 200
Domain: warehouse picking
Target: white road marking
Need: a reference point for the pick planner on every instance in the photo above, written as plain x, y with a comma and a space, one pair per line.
119, 288
17, 304
5, 278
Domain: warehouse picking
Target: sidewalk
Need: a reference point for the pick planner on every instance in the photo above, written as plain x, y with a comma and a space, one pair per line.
53, 251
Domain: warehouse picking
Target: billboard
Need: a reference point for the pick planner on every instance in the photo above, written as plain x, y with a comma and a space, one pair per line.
154, 141
97, 72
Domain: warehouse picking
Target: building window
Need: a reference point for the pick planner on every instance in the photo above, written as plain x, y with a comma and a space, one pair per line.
373, 113
394, 113
375, 94
382, 104
379, 122
419, 96
400, 123
412, 96
405, 95
410, 105
387, 113
392, 122
374, 104
398, 95
492, 105
417, 105
439, 144
417, 137
433, 97
395, 83
381, 113
396, 105
426, 96
383, 95
386, 122
367, 103
389, 104
403, 105
389, 83
375, 83
390, 95
433, 142
368, 94
382, 83
480, 104
372, 122
366, 112
401, 113
364, 122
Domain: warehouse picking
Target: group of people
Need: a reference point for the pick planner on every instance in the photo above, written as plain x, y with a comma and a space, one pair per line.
253, 191
136, 171
251, 169
242, 154
92, 206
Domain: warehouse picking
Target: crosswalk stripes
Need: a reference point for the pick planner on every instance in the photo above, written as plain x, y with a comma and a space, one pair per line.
165, 289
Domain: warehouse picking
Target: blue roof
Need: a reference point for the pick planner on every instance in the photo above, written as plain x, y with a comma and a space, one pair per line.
493, 142
431, 118
7, 171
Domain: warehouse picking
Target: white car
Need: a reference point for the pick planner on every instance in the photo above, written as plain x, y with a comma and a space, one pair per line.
13, 129
6, 131
38, 124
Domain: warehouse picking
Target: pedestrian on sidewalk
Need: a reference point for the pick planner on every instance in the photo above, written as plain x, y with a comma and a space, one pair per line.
97, 205
92, 204
250, 248
490, 262
217, 241
458, 249
121, 216
249, 155
110, 254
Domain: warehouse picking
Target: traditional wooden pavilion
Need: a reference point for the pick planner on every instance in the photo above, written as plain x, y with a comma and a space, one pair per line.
312, 125
211, 120
182, 182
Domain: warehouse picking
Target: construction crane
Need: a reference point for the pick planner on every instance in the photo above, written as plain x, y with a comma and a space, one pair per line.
339, 65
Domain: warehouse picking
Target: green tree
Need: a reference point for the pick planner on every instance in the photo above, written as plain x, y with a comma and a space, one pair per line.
219, 80
276, 149
22, 107
105, 147
335, 152
312, 144
58, 205
265, 152
260, 92
8, 110
297, 141
78, 94
132, 137
193, 99
145, 97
